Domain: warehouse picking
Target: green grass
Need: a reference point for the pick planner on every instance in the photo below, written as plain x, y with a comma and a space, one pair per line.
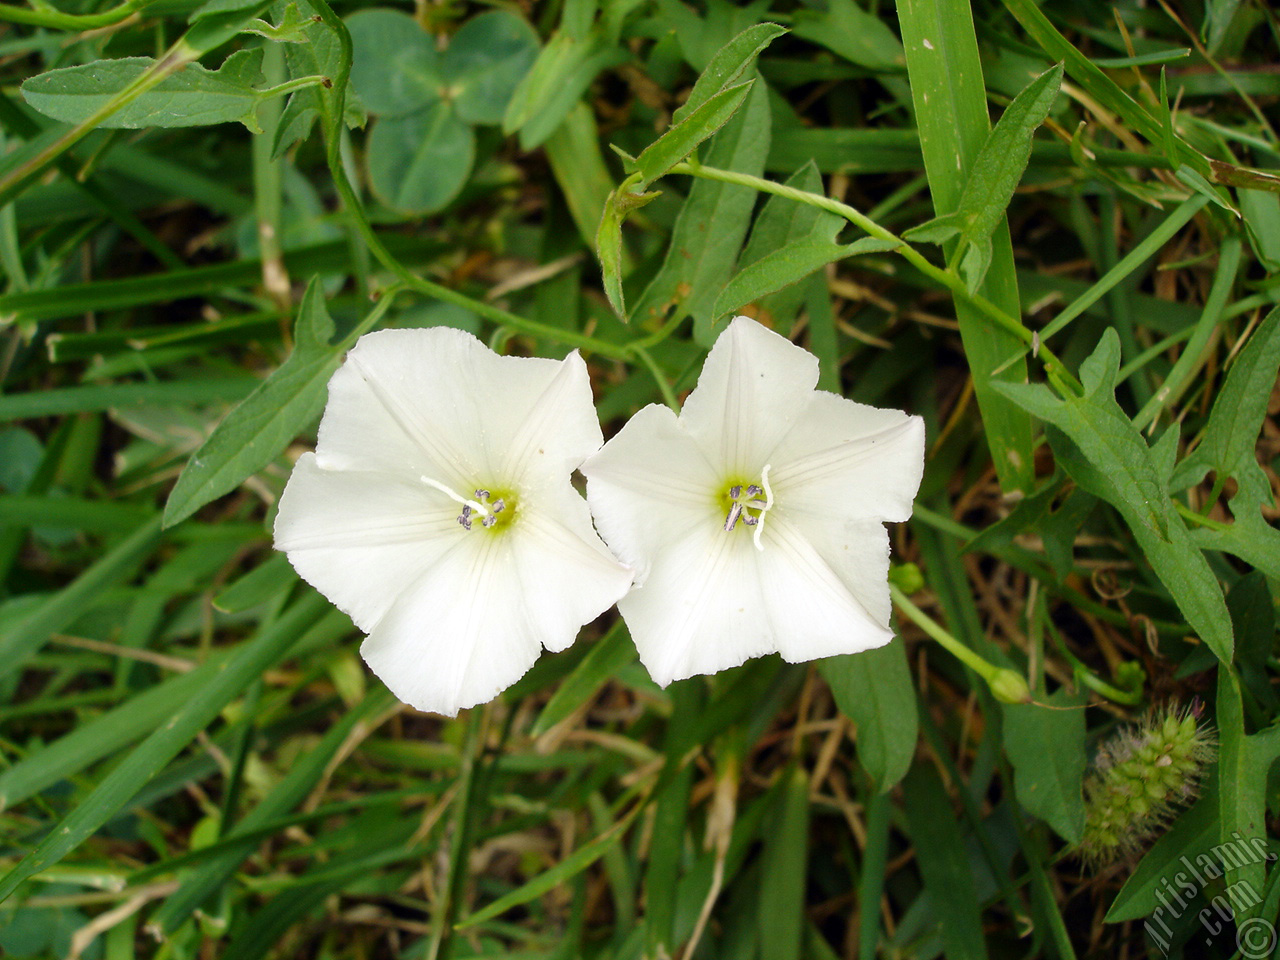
1073, 287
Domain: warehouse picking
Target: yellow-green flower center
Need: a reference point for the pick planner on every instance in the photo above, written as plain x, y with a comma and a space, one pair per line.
746, 503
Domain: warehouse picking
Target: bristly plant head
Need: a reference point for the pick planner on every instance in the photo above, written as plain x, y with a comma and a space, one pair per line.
1141, 777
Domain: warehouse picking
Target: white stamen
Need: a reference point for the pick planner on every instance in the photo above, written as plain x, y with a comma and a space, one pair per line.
768, 502
437, 485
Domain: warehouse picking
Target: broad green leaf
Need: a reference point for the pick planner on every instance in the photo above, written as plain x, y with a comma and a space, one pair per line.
938, 840
789, 265
1185, 847
998, 169
395, 66
484, 63
785, 860
1107, 456
264, 582
846, 29
195, 96
874, 690
1243, 764
419, 162
578, 165
146, 760
319, 55
712, 225
255, 432
1230, 439
1045, 744
556, 82
1261, 212
683, 138
782, 221
735, 58
609, 249
952, 124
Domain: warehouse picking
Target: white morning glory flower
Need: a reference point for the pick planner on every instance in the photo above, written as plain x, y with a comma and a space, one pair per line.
754, 519
438, 513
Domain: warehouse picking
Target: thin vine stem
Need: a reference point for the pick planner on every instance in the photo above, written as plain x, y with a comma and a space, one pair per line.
1053, 367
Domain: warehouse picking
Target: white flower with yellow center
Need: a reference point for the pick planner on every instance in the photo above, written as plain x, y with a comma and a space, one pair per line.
754, 519
437, 512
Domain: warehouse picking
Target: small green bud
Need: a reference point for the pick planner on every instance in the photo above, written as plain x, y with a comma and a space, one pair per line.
1009, 687
907, 578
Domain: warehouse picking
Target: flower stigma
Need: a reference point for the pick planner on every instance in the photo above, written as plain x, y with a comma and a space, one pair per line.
493, 512
743, 503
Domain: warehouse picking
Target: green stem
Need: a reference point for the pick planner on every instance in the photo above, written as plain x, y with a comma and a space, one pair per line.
177, 57
289, 86
1006, 685
664, 387
1052, 365
56, 20
331, 123
1200, 521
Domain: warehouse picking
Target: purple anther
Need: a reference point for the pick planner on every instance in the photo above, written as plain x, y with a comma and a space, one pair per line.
734, 512
498, 506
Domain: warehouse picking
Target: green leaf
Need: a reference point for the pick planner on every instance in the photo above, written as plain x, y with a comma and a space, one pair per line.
395, 66
683, 138
606, 657
1107, 456
874, 690
23, 636
485, 62
303, 775
950, 101
1230, 439
556, 82
609, 248
573, 151
944, 863
789, 265
1243, 765
731, 61
782, 221
418, 163
564, 870
1045, 744
192, 97
711, 226
255, 432
998, 169
780, 920
846, 29
146, 760
1187, 842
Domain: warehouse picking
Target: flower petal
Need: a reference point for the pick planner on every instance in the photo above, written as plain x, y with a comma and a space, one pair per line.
560, 428
457, 636
361, 538
753, 388
474, 622
844, 460
438, 402
712, 601
649, 485
567, 576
